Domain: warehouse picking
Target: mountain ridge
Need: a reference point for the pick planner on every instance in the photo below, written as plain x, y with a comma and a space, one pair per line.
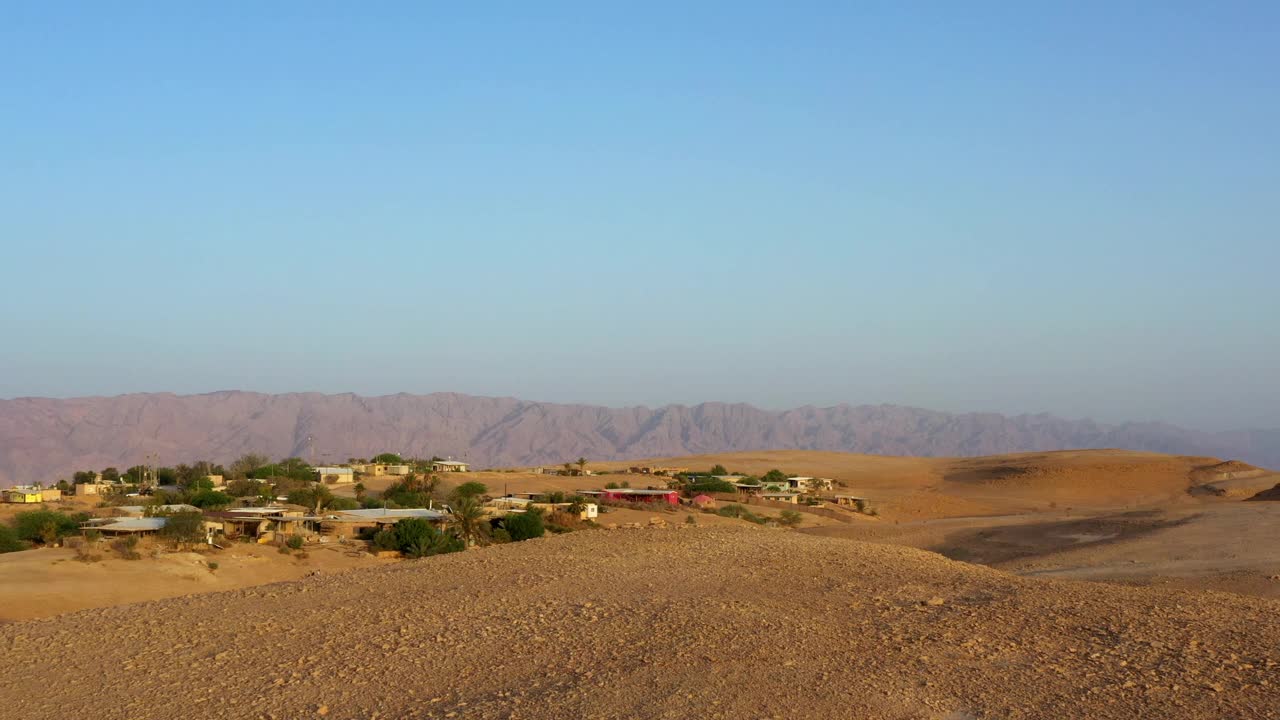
48, 438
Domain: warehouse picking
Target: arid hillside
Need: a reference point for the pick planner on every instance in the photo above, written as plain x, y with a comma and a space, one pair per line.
928, 488
681, 622
44, 439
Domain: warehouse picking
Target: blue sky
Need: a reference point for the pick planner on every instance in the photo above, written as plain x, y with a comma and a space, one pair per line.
961, 206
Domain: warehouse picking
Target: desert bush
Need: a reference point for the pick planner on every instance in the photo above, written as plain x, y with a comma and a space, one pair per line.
126, 547
92, 536
418, 538
790, 518
46, 526
213, 565
183, 528
469, 489
500, 536
524, 525
284, 550
734, 510
9, 540
709, 485
294, 542
84, 551
210, 499
564, 519
690, 520
301, 555
386, 540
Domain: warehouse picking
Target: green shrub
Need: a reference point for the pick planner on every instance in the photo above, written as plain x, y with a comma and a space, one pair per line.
343, 503
386, 540
212, 565
524, 525
209, 499
183, 528
9, 540
790, 518
731, 511
126, 547
294, 542
46, 526
469, 489
418, 538
709, 485
92, 536
500, 536
690, 520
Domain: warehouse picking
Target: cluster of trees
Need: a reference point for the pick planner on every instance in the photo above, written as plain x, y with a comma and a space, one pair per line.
468, 523
38, 527
709, 482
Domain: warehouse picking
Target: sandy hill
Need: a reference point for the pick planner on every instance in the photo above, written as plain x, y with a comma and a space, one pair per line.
947, 487
44, 439
717, 623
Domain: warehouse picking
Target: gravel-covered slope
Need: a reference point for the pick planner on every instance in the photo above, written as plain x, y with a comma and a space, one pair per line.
658, 623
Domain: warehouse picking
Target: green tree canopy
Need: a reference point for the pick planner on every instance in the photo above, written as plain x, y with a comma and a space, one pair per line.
110, 475
183, 528
210, 499
9, 541
709, 485
719, 470
469, 489
416, 537
775, 476
388, 459
46, 526
524, 525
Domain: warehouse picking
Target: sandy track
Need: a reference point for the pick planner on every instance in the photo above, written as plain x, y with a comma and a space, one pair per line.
705, 622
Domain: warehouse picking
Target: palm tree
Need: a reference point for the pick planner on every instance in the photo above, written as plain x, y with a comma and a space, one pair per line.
582, 466
469, 519
568, 468
359, 488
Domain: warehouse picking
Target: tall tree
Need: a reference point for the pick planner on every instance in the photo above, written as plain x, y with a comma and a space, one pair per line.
469, 520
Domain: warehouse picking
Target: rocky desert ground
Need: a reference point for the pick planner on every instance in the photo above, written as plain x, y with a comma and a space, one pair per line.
1083, 584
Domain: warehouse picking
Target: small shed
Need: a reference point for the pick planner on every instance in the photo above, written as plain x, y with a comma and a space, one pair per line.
703, 502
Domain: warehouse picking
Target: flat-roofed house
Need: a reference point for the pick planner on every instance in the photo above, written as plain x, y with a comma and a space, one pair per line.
786, 497
332, 475
635, 495
449, 466
353, 523
30, 494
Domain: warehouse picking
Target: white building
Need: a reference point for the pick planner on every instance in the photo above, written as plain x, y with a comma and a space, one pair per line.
335, 475
449, 466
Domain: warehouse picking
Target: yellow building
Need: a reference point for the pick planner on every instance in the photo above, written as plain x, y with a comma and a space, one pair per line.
30, 494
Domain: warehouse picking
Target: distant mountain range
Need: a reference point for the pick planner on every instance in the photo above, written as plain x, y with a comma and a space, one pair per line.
46, 439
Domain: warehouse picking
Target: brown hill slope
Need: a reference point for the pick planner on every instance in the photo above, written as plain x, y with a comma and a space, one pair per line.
915, 487
43, 439
723, 623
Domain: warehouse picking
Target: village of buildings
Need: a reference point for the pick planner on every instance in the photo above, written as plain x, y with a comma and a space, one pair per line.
423, 507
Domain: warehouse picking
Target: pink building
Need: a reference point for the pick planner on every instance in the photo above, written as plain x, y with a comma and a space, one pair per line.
633, 495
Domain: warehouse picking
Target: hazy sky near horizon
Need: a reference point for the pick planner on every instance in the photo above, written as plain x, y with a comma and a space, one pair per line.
1014, 207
